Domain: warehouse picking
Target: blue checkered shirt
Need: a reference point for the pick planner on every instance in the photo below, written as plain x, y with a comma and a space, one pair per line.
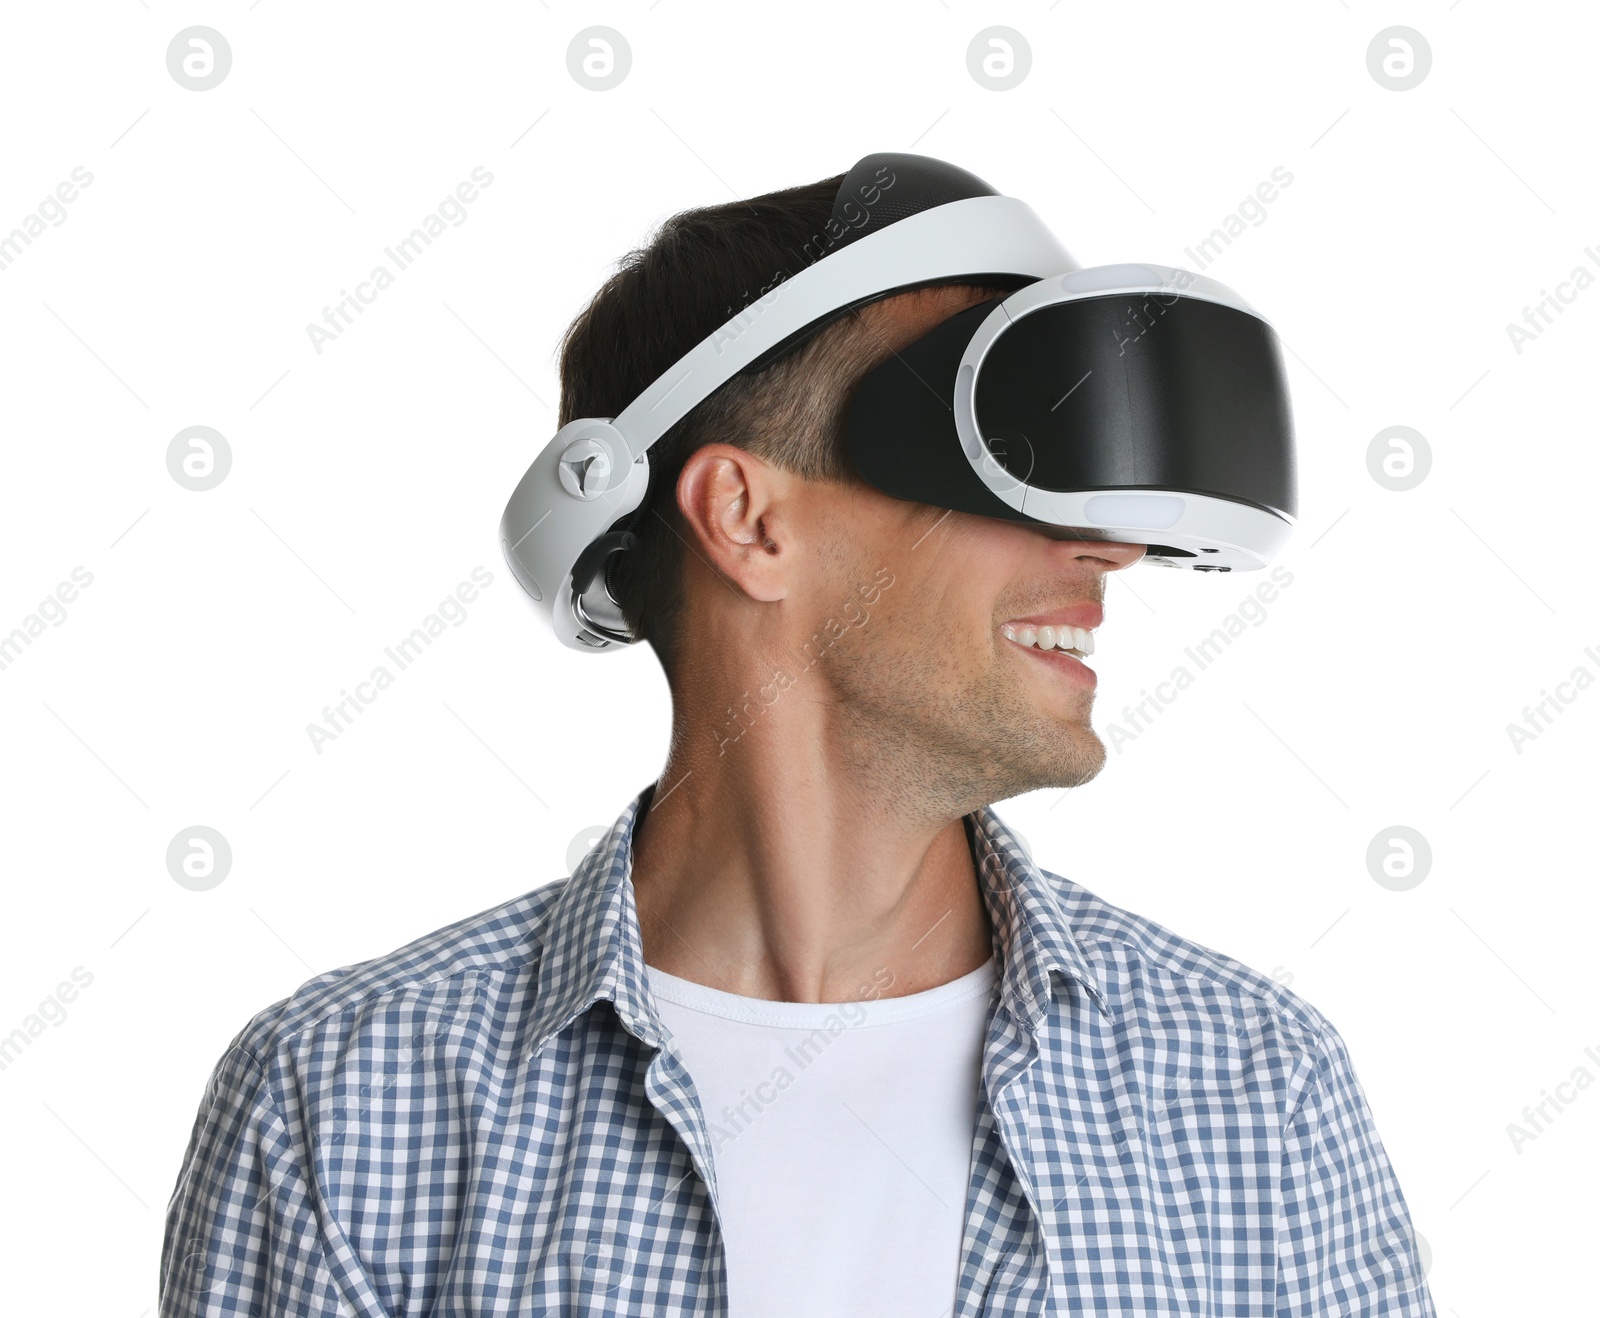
493, 1120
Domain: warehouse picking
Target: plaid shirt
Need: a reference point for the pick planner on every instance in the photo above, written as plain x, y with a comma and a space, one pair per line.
492, 1120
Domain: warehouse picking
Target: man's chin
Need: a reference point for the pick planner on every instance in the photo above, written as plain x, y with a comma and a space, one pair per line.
1074, 760
1087, 758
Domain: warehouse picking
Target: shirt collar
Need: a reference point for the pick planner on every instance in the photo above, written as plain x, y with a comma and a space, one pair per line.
592, 947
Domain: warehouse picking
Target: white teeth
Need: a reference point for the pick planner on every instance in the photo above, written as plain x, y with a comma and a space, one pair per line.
1078, 640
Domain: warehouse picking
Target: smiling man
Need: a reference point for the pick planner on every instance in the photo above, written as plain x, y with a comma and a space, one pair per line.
808, 1032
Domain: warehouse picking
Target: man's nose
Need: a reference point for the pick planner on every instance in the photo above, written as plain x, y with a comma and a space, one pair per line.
1113, 555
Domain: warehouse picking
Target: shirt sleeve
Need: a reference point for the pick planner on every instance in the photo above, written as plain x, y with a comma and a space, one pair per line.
241, 1240
1345, 1241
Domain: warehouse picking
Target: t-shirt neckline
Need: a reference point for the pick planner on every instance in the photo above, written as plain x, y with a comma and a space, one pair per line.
865, 1011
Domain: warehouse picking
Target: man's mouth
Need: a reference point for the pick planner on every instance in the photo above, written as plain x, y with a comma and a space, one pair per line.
1076, 641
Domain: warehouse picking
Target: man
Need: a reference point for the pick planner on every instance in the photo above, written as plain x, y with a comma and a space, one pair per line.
808, 1032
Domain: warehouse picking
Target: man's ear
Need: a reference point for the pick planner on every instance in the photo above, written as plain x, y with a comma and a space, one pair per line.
739, 513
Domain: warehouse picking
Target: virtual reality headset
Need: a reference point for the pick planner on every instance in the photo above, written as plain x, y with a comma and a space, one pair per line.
1134, 403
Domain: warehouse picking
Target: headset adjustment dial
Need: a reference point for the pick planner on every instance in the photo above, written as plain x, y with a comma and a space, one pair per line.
585, 469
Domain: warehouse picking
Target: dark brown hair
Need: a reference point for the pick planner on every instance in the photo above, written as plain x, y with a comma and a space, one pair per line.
699, 269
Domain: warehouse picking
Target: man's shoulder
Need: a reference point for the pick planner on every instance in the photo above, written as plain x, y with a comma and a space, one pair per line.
1174, 984
428, 983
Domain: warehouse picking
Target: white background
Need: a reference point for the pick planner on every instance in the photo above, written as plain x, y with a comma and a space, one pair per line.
367, 481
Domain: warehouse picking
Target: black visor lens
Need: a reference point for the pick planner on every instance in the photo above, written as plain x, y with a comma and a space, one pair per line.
1141, 391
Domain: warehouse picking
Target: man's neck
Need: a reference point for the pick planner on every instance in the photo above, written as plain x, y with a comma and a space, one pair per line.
776, 876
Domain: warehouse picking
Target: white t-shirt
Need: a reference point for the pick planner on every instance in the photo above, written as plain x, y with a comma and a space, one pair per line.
842, 1138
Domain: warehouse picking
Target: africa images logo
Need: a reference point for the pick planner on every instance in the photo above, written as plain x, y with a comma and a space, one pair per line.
452, 209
